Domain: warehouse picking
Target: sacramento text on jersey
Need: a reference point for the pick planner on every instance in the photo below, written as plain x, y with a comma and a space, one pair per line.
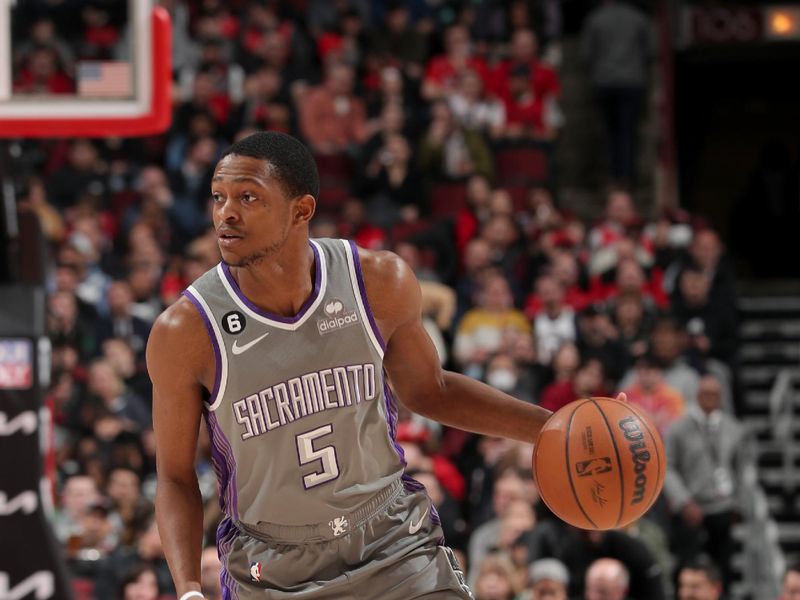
305, 395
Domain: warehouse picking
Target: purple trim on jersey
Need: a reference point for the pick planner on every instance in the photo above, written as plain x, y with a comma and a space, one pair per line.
214, 344
221, 451
363, 289
281, 319
219, 464
226, 534
409, 483
391, 419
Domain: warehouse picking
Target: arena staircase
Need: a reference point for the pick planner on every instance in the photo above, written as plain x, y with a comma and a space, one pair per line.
769, 379
580, 150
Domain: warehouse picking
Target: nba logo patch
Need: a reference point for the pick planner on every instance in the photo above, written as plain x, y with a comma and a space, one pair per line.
255, 571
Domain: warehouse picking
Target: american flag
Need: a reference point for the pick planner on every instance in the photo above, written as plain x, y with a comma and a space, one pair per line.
105, 79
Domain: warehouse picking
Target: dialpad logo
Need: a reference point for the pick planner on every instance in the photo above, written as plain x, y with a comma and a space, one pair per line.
336, 317
593, 466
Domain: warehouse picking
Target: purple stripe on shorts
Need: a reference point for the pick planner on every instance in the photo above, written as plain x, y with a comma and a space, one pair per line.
224, 449
435, 518
362, 288
214, 344
226, 534
412, 485
281, 319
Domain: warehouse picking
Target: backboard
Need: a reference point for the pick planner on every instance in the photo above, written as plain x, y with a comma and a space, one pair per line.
91, 68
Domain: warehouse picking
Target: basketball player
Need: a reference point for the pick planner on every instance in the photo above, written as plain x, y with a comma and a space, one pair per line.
287, 348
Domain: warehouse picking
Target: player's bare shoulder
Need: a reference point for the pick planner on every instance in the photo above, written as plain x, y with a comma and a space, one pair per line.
179, 344
392, 288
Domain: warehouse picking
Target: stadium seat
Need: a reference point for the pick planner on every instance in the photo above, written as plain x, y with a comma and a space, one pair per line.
331, 198
523, 165
334, 169
447, 199
402, 230
519, 196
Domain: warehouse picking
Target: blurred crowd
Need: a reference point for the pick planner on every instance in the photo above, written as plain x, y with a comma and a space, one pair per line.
432, 124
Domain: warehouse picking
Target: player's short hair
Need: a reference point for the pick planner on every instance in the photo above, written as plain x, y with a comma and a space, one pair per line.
291, 162
792, 567
706, 566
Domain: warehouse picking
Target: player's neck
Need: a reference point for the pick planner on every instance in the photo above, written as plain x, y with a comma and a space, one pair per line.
280, 284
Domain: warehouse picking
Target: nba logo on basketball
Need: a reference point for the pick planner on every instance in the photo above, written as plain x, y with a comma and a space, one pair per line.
255, 571
336, 317
593, 466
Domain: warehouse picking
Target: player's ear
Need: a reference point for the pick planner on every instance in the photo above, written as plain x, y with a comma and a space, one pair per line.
304, 208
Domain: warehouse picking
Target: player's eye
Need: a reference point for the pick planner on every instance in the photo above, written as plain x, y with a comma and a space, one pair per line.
216, 197
248, 197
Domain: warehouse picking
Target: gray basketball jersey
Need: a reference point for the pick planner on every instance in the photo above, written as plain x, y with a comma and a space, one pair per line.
301, 422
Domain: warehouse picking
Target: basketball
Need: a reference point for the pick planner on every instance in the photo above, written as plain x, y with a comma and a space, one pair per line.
599, 463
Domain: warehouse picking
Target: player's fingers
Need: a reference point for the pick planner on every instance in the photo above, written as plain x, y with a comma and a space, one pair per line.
622, 397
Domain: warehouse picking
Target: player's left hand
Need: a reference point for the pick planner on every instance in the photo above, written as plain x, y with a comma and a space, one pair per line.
622, 397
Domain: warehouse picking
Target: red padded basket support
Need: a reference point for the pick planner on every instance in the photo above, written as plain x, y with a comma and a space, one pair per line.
155, 121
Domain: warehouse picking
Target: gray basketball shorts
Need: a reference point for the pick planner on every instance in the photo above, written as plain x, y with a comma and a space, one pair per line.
389, 549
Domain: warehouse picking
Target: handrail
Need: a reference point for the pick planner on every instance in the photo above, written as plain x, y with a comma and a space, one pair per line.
781, 407
764, 561
781, 415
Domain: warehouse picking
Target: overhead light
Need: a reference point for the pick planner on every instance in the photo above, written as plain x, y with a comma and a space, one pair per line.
782, 23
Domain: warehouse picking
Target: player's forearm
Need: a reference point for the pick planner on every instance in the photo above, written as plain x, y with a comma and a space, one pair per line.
470, 405
179, 510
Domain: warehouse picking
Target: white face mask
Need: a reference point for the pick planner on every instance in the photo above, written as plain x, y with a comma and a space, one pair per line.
502, 379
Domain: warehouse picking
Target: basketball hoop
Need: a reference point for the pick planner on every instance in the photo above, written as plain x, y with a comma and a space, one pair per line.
141, 106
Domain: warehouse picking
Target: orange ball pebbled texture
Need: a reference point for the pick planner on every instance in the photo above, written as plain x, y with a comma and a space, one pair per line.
599, 463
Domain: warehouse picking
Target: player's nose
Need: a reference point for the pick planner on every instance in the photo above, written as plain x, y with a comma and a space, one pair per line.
227, 211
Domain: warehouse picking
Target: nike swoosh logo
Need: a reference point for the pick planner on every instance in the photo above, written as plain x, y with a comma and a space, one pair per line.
237, 349
414, 527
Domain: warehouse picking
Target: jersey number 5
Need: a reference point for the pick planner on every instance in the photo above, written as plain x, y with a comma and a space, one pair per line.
306, 453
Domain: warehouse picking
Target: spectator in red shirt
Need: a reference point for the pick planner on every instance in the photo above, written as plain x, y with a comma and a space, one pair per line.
355, 225
332, 118
619, 235
565, 268
43, 75
441, 72
587, 381
565, 362
630, 278
530, 90
620, 216
419, 453
523, 52
475, 213
529, 115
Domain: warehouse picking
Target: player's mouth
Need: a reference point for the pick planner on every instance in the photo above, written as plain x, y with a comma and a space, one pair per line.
228, 238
